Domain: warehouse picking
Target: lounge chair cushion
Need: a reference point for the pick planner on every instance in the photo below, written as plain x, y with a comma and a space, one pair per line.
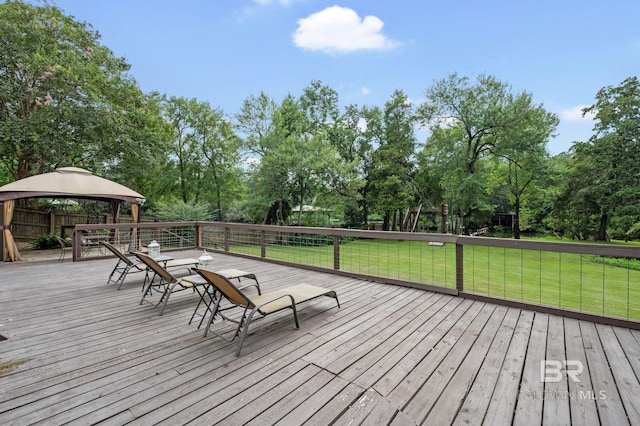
300, 293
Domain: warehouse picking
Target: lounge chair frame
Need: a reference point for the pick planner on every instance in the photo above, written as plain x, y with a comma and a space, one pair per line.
123, 267
209, 294
166, 280
263, 305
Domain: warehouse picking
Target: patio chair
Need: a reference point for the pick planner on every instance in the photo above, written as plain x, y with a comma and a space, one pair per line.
64, 246
123, 267
264, 304
166, 280
127, 265
90, 240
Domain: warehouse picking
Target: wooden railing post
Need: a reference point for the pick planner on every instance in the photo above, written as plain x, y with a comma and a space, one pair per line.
77, 245
336, 252
263, 243
227, 237
198, 241
2, 231
459, 266
52, 222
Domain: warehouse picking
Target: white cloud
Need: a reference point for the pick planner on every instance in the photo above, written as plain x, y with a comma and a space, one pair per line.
340, 30
365, 91
574, 114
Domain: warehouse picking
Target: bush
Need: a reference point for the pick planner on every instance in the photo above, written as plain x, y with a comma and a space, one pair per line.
45, 241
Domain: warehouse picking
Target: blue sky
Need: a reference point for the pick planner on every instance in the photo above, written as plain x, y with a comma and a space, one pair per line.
222, 51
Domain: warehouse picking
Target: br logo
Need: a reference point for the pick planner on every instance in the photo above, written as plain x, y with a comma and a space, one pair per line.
551, 371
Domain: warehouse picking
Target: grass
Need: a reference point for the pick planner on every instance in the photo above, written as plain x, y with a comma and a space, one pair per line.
8, 366
594, 284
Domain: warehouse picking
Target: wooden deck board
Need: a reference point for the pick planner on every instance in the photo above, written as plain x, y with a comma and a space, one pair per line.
530, 400
481, 388
506, 391
389, 355
583, 410
626, 380
428, 397
556, 408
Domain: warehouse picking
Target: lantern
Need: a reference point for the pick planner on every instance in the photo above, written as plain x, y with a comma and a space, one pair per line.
205, 261
154, 249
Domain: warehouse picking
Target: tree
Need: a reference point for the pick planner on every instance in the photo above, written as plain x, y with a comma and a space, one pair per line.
223, 182
390, 178
205, 155
255, 124
64, 98
295, 161
304, 153
524, 149
615, 152
181, 114
349, 137
337, 141
468, 123
575, 211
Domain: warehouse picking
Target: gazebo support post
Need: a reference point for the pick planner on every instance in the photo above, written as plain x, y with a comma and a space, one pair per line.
2, 239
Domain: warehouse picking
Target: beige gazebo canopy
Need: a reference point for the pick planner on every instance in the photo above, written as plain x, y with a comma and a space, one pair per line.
67, 182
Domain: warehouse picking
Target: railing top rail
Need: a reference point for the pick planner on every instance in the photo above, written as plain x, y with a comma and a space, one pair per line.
549, 246
145, 225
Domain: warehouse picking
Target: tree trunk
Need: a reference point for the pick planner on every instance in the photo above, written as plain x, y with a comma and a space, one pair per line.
516, 220
602, 230
280, 219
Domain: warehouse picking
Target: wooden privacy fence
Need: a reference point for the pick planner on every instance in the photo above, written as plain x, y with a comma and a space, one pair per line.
29, 224
587, 281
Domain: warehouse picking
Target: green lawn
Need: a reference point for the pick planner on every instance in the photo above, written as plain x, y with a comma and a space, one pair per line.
565, 280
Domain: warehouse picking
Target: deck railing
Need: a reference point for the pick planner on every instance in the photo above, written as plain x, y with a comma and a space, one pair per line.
590, 281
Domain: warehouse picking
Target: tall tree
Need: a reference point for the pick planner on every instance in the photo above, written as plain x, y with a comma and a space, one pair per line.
392, 162
348, 136
576, 211
255, 124
615, 151
304, 152
295, 161
337, 139
524, 149
64, 98
467, 122
222, 181
205, 161
182, 114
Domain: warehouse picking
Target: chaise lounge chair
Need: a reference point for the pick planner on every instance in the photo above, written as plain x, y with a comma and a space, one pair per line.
170, 283
127, 265
264, 304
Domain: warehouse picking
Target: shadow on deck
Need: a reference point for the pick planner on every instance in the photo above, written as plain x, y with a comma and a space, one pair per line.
85, 352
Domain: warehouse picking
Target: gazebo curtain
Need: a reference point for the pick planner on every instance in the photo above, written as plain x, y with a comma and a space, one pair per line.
135, 215
11, 252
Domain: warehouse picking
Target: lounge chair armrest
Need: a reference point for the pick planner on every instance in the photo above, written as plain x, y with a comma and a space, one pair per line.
278, 306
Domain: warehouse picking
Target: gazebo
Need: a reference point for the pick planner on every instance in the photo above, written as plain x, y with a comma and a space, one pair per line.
67, 182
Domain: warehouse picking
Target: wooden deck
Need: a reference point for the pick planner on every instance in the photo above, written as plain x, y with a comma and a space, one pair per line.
389, 355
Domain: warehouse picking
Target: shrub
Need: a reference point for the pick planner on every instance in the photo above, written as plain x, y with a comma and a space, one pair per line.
44, 242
